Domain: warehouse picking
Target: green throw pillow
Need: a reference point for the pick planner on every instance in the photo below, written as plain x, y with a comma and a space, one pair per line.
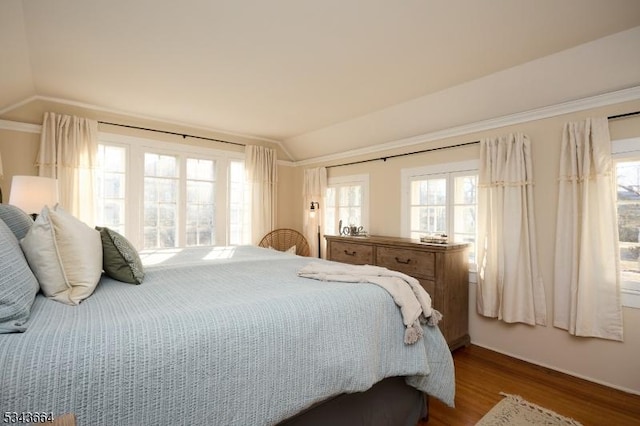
120, 260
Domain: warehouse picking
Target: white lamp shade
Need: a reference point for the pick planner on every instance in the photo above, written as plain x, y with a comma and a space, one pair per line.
1, 172
32, 193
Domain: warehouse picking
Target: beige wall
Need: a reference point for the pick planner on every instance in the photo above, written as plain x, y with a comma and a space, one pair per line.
612, 363
33, 113
290, 197
18, 151
19, 148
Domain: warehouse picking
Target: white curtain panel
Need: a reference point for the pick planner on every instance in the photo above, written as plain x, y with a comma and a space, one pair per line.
261, 165
314, 189
68, 152
587, 276
510, 287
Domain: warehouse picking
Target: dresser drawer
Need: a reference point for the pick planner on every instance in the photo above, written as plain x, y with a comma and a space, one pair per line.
356, 254
418, 264
441, 269
430, 287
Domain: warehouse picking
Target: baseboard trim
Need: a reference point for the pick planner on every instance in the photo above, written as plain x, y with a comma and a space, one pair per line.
561, 370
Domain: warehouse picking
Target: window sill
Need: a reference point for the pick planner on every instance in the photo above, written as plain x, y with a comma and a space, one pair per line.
630, 298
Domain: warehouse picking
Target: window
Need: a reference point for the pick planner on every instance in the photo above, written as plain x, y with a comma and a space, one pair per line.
239, 217
111, 182
627, 175
346, 203
160, 201
441, 199
428, 206
170, 195
465, 211
201, 207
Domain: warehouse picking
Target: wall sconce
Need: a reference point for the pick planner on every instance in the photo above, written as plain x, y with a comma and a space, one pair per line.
31, 193
315, 206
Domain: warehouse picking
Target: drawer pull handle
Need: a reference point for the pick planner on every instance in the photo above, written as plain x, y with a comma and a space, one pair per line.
348, 253
405, 262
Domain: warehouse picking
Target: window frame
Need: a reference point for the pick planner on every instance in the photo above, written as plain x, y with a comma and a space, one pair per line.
447, 170
245, 220
627, 150
127, 189
136, 147
350, 180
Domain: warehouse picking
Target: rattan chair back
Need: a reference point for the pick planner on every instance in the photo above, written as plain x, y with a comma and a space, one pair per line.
285, 238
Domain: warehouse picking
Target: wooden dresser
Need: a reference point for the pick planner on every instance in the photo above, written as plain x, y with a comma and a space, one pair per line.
442, 270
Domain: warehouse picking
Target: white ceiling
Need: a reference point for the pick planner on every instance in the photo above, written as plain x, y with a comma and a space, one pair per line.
293, 71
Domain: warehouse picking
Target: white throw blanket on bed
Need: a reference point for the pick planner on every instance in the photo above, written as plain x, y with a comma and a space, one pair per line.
409, 295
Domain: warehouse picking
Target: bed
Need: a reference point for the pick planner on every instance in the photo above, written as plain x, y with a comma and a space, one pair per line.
225, 336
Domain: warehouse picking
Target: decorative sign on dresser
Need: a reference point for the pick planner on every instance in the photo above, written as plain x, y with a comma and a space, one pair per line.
442, 270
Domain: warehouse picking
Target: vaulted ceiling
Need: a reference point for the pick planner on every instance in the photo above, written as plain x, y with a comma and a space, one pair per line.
313, 75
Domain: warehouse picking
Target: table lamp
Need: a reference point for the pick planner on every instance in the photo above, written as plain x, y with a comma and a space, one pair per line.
32, 193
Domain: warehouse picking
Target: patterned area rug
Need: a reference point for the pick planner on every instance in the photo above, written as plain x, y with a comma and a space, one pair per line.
515, 411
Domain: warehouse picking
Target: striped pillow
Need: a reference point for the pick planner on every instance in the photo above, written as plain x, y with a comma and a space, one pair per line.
18, 285
17, 220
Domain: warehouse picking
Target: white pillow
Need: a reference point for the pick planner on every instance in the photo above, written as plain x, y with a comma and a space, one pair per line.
290, 250
64, 254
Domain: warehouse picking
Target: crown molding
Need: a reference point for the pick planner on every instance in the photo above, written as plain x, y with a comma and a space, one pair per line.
286, 163
142, 117
17, 104
148, 117
18, 126
611, 98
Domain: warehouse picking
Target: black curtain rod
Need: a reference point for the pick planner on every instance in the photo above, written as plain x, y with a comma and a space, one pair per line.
404, 154
385, 158
422, 151
628, 114
184, 135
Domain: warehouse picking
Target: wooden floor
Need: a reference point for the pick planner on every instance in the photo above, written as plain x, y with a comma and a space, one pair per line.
482, 374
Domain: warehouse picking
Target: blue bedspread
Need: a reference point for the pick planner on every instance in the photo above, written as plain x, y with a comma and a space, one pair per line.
225, 336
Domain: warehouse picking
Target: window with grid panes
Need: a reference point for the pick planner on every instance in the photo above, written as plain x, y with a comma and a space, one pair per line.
111, 181
441, 199
161, 188
346, 203
627, 180
239, 218
171, 195
200, 202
